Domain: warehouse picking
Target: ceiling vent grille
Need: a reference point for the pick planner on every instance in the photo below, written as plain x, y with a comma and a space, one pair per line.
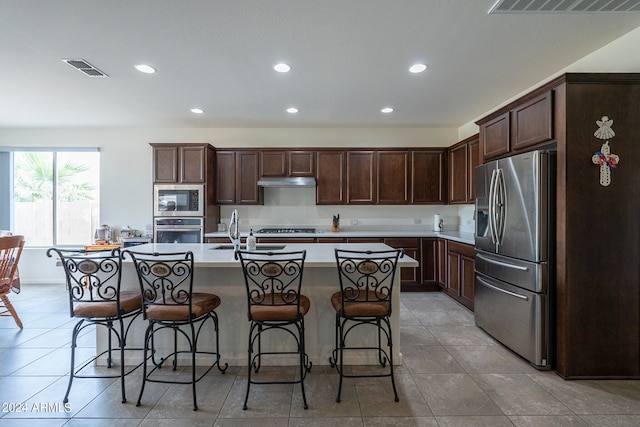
84, 67
566, 6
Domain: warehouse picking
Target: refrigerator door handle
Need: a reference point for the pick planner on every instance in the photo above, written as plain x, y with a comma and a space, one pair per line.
492, 208
501, 205
502, 264
495, 288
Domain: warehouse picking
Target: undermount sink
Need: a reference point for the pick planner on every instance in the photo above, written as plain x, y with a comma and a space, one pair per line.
259, 247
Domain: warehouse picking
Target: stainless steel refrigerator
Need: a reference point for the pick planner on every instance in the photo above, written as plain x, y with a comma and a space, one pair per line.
514, 263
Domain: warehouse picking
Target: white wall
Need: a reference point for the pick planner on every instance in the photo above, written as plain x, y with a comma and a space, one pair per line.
619, 56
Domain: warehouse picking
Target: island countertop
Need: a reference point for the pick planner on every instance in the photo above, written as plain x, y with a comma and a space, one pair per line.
318, 254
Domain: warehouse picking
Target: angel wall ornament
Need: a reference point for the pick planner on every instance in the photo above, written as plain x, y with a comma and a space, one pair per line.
604, 158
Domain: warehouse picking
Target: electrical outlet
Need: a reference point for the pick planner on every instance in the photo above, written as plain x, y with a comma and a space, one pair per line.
417, 221
354, 222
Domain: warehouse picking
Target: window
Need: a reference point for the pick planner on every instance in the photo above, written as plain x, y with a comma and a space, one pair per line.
54, 195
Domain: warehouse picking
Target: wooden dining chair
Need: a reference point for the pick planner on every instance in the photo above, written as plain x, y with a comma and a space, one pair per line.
10, 251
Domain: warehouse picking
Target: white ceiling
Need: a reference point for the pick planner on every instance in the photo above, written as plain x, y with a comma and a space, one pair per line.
349, 59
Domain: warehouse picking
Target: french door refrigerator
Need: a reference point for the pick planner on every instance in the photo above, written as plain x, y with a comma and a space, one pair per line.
514, 262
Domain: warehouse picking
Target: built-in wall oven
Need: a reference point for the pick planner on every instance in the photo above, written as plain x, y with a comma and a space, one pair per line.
178, 230
178, 200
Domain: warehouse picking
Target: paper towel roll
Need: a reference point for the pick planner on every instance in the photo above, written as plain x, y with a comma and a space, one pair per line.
436, 222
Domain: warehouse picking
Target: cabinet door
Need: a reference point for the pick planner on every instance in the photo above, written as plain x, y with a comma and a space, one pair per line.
474, 160
411, 246
247, 174
193, 164
531, 122
165, 163
458, 170
273, 163
467, 281
428, 177
301, 162
225, 177
429, 261
443, 268
495, 136
393, 177
330, 177
361, 173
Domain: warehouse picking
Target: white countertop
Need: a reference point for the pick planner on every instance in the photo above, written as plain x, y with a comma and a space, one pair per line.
318, 254
458, 236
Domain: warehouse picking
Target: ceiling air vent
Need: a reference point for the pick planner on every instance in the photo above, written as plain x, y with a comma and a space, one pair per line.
566, 6
85, 67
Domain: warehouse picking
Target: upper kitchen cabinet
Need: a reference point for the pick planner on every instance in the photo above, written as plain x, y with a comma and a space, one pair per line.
181, 163
330, 177
279, 163
237, 177
428, 176
361, 177
393, 177
525, 125
463, 158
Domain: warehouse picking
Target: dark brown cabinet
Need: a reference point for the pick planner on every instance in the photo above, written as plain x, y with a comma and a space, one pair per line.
361, 177
428, 176
443, 272
525, 125
330, 177
460, 273
409, 277
463, 158
278, 163
237, 178
393, 177
429, 264
181, 163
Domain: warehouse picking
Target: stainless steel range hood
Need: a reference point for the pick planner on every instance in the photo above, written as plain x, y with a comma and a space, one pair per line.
296, 181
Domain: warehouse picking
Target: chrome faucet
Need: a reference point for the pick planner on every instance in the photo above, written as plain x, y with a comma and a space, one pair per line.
234, 232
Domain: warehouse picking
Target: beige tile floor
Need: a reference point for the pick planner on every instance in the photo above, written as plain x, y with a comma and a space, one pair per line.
453, 375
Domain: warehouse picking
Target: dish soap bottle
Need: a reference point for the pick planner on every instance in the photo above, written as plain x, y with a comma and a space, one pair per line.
251, 241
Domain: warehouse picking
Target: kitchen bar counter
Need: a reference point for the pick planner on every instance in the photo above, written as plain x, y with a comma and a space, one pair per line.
217, 272
458, 236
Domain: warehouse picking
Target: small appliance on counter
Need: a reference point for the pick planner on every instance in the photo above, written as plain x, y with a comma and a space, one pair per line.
103, 235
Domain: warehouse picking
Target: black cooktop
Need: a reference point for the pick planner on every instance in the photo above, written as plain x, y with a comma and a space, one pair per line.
285, 230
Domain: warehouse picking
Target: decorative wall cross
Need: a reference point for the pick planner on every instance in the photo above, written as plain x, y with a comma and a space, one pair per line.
604, 158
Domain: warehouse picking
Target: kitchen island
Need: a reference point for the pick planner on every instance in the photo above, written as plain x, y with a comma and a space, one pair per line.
217, 271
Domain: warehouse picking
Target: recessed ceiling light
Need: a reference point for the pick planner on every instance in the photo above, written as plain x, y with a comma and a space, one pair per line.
417, 68
197, 110
292, 110
387, 110
282, 67
144, 68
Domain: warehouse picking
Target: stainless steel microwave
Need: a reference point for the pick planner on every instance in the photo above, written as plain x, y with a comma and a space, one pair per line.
178, 200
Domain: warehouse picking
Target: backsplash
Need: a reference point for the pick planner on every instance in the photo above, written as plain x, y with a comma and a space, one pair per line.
296, 207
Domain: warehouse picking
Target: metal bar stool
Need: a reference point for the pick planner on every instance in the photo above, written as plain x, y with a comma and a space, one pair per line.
93, 281
366, 285
169, 303
273, 281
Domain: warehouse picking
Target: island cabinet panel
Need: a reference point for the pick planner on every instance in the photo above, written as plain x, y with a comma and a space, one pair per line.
361, 177
532, 122
428, 176
330, 177
409, 276
237, 178
393, 177
495, 137
181, 163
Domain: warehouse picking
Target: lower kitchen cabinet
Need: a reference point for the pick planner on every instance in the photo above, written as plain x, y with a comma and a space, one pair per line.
460, 272
410, 278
